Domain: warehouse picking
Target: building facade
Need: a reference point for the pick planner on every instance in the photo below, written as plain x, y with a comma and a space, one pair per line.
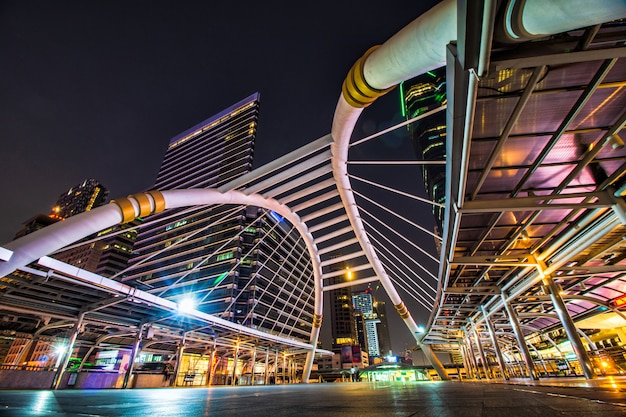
243, 264
419, 95
80, 198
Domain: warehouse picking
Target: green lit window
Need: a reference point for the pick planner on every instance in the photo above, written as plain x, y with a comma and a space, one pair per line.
224, 256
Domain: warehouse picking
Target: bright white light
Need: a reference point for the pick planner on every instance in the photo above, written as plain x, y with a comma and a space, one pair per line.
60, 349
186, 305
420, 329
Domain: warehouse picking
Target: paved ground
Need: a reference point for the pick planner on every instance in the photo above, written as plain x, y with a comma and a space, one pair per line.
575, 398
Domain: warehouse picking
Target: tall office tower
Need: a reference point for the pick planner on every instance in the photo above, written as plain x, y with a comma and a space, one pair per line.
80, 198
343, 324
244, 264
421, 94
83, 197
115, 246
364, 303
361, 332
382, 328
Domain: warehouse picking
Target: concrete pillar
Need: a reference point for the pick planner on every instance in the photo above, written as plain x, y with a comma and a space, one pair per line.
568, 324
496, 347
519, 335
65, 356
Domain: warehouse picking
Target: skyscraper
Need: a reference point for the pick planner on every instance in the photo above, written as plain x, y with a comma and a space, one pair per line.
244, 264
366, 306
382, 328
421, 94
80, 198
343, 324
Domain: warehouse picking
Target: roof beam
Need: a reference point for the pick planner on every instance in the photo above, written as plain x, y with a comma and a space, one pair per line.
521, 61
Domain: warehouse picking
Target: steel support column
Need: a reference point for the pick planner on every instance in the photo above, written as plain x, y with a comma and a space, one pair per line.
481, 352
267, 366
496, 347
466, 360
521, 341
67, 353
568, 324
253, 364
179, 358
133, 355
235, 359
210, 368
434, 360
472, 356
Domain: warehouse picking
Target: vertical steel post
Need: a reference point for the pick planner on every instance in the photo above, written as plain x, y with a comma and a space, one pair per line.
568, 324
66, 355
253, 364
235, 359
267, 366
481, 352
496, 347
179, 359
133, 355
472, 356
519, 335
211, 369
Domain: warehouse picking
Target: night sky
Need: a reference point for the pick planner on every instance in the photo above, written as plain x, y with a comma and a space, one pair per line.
95, 89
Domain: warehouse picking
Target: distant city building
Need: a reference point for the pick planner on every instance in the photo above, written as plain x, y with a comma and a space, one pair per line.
80, 198
246, 265
35, 223
371, 330
421, 94
343, 324
115, 246
83, 197
382, 329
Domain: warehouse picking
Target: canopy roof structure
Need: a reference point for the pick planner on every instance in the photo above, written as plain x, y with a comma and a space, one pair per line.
534, 188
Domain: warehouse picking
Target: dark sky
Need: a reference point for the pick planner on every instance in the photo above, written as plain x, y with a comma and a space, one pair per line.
95, 89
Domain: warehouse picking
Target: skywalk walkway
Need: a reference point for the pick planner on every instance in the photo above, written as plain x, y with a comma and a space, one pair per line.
549, 397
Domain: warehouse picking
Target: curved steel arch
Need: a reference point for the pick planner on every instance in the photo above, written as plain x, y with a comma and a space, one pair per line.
54, 237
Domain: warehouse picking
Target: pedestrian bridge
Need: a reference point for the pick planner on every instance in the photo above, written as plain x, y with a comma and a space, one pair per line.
531, 243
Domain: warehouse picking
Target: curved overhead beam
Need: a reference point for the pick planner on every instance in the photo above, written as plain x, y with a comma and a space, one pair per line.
418, 47
523, 20
54, 237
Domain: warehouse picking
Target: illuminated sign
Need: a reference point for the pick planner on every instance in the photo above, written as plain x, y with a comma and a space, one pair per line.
619, 301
